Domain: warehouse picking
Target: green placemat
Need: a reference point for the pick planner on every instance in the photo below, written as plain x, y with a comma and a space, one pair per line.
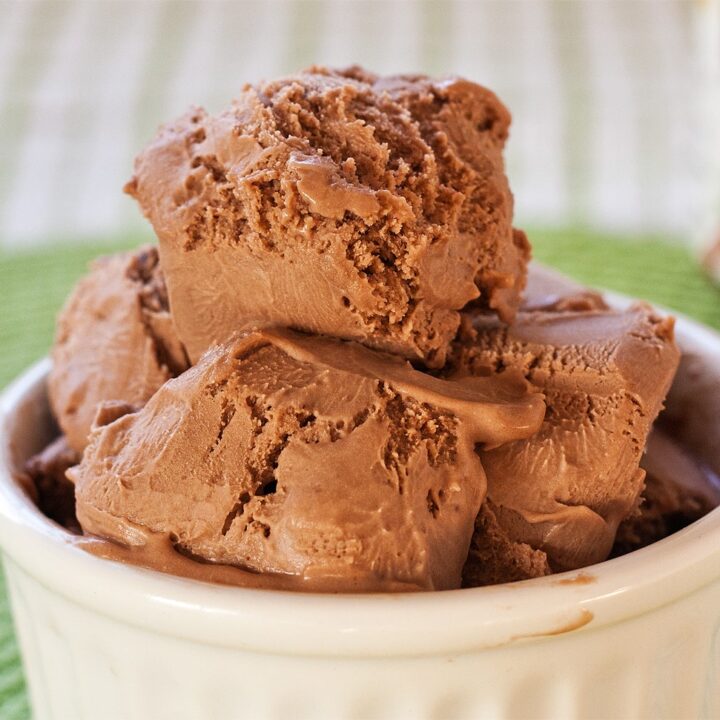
34, 284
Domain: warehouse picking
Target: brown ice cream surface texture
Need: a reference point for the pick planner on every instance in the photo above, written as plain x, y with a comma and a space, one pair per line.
337, 203
114, 341
53, 493
555, 500
291, 455
677, 492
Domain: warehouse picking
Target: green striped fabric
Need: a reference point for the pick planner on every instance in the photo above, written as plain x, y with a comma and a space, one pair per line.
35, 283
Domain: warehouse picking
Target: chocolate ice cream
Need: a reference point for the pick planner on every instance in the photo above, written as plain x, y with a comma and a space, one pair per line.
259, 422
677, 492
115, 340
53, 492
338, 203
556, 499
286, 454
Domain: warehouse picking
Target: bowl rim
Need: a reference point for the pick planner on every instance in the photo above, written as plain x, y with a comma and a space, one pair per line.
370, 625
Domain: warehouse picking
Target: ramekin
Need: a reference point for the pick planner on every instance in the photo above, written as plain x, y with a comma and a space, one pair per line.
634, 637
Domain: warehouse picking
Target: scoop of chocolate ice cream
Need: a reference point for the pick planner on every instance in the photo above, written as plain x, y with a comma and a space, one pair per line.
678, 491
295, 455
336, 203
564, 491
53, 492
115, 340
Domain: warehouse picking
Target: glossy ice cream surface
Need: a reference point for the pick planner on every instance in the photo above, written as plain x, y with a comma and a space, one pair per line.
115, 341
556, 499
285, 454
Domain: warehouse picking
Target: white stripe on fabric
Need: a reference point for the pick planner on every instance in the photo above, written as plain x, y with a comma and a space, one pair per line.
675, 179
706, 146
471, 38
75, 131
197, 62
540, 188
613, 131
108, 147
12, 36
27, 212
396, 36
258, 50
340, 35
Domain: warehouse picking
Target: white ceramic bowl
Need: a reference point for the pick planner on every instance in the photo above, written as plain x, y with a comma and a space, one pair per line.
634, 637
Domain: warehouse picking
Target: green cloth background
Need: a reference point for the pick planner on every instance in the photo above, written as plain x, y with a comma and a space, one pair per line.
34, 284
